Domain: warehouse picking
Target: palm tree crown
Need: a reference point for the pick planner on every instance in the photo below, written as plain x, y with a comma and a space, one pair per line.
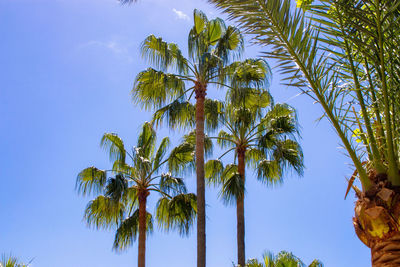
122, 191
282, 259
263, 136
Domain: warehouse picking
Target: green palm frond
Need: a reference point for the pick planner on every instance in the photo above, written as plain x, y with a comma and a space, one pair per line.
126, 169
115, 146
282, 259
233, 187
213, 171
104, 212
178, 212
213, 110
200, 21
146, 141
128, 230
153, 89
225, 140
343, 55
164, 55
231, 40
289, 154
171, 185
269, 172
116, 187
161, 151
253, 156
90, 180
180, 157
251, 72
190, 138
10, 261
177, 114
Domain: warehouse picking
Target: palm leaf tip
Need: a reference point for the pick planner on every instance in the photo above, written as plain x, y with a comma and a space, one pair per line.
112, 143
90, 180
178, 212
128, 230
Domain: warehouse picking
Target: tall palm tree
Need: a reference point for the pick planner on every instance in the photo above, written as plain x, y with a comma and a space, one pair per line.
261, 135
211, 45
345, 55
122, 192
282, 259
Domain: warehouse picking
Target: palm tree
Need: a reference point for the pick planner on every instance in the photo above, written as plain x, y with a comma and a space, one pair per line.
283, 259
10, 261
260, 137
122, 192
211, 45
345, 56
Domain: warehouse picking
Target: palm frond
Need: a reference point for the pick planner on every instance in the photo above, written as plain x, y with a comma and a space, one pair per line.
115, 146
172, 185
153, 89
269, 172
178, 212
146, 141
180, 157
161, 151
177, 114
90, 180
233, 187
104, 212
128, 230
164, 55
213, 171
191, 139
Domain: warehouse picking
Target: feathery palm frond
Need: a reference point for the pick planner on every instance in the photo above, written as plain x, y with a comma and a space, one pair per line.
128, 230
343, 54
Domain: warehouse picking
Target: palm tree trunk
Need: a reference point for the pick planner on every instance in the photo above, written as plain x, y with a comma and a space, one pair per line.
240, 213
376, 222
200, 91
386, 253
142, 228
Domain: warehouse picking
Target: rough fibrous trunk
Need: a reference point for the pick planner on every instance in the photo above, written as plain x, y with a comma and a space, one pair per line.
200, 91
386, 253
142, 228
240, 213
377, 219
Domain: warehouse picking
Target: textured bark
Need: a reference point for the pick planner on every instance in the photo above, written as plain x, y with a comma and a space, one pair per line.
386, 253
240, 213
376, 221
200, 91
142, 229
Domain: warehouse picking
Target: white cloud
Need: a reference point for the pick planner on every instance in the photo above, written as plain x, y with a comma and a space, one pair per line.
113, 46
180, 15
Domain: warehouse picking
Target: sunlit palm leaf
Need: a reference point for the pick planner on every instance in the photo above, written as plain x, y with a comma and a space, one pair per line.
213, 171
128, 230
181, 156
115, 146
178, 114
164, 55
90, 180
154, 89
178, 212
171, 185
104, 212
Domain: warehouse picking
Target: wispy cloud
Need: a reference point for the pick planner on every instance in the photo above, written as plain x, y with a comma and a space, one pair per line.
180, 15
113, 46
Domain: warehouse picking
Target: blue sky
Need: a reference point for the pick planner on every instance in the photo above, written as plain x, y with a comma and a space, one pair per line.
67, 68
